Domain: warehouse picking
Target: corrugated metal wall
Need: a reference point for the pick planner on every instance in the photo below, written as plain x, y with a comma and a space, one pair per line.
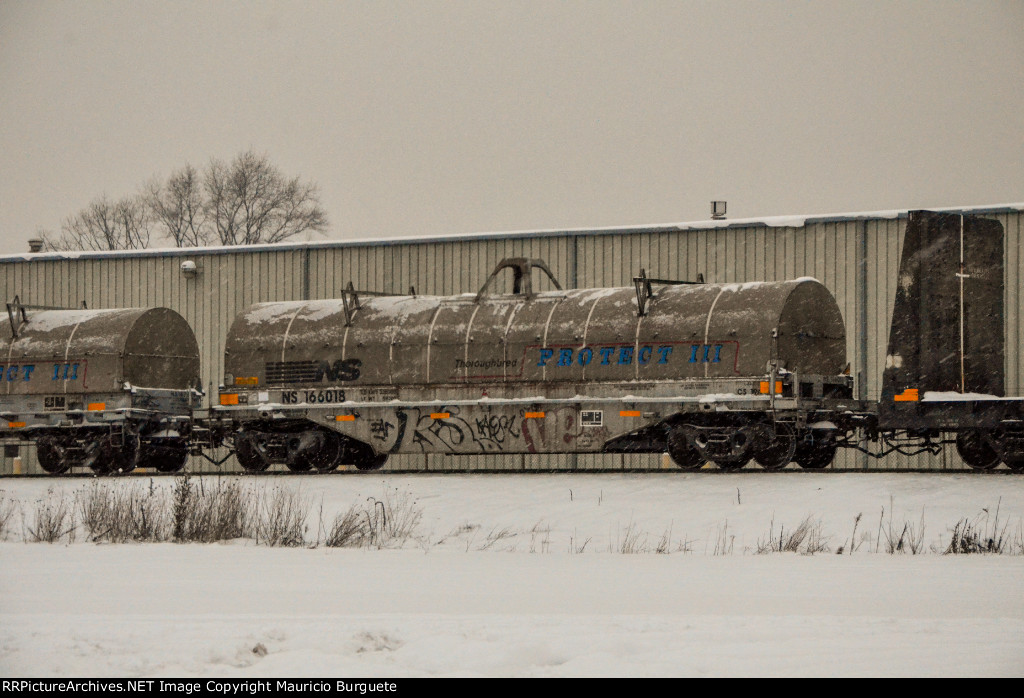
856, 258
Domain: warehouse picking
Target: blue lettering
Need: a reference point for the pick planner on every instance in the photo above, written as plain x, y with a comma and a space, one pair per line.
545, 354
707, 348
28, 371
645, 355
12, 373
606, 355
664, 352
718, 354
74, 371
693, 354
584, 356
56, 371
625, 355
565, 357
67, 367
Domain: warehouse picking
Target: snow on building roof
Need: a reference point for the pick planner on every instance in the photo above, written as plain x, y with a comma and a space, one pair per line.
797, 221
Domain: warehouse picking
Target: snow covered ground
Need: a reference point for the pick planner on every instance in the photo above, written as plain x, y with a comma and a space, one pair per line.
526, 575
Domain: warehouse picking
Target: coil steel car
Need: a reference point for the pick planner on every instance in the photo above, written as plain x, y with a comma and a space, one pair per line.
105, 389
350, 381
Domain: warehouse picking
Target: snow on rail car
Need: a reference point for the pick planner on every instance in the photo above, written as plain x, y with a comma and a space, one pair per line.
708, 372
103, 389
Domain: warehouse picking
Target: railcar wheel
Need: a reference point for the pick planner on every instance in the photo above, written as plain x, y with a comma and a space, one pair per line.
166, 459
815, 457
299, 447
111, 457
328, 458
976, 451
1015, 464
732, 465
251, 453
682, 452
780, 451
52, 456
374, 462
316, 448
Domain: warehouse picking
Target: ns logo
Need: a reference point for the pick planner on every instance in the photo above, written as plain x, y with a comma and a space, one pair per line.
347, 370
312, 371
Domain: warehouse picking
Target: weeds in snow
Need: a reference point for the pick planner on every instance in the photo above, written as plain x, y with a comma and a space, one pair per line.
205, 510
182, 505
389, 522
540, 537
7, 508
665, 542
575, 546
224, 511
497, 536
347, 530
909, 539
981, 535
853, 538
724, 542
54, 520
393, 519
121, 514
806, 539
281, 518
632, 541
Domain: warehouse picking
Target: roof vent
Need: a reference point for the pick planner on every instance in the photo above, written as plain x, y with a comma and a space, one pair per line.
35, 245
717, 210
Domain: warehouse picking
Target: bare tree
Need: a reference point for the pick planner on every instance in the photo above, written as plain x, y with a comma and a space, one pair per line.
243, 202
178, 208
105, 225
249, 201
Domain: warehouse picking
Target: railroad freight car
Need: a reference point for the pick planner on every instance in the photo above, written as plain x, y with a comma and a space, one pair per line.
723, 373
944, 378
720, 373
104, 389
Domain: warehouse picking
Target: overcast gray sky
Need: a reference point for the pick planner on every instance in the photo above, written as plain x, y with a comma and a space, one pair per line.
450, 117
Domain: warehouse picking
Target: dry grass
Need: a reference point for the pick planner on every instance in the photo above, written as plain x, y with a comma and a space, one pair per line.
225, 510
899, 539
54, 520
280, 518
389, 522
983, 535
347, 530
664, 546
853, 545
121, 514
7, 508
631, 541
393, 519
575, 546
498, 536
805, 539
207, 510
724, 541
540, 538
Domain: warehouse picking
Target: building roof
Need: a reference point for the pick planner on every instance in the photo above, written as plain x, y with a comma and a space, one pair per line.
797, 221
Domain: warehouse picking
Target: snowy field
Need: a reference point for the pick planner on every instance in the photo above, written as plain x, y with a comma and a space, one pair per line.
652, 574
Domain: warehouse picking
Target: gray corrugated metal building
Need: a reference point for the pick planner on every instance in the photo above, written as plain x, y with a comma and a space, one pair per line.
855, 255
